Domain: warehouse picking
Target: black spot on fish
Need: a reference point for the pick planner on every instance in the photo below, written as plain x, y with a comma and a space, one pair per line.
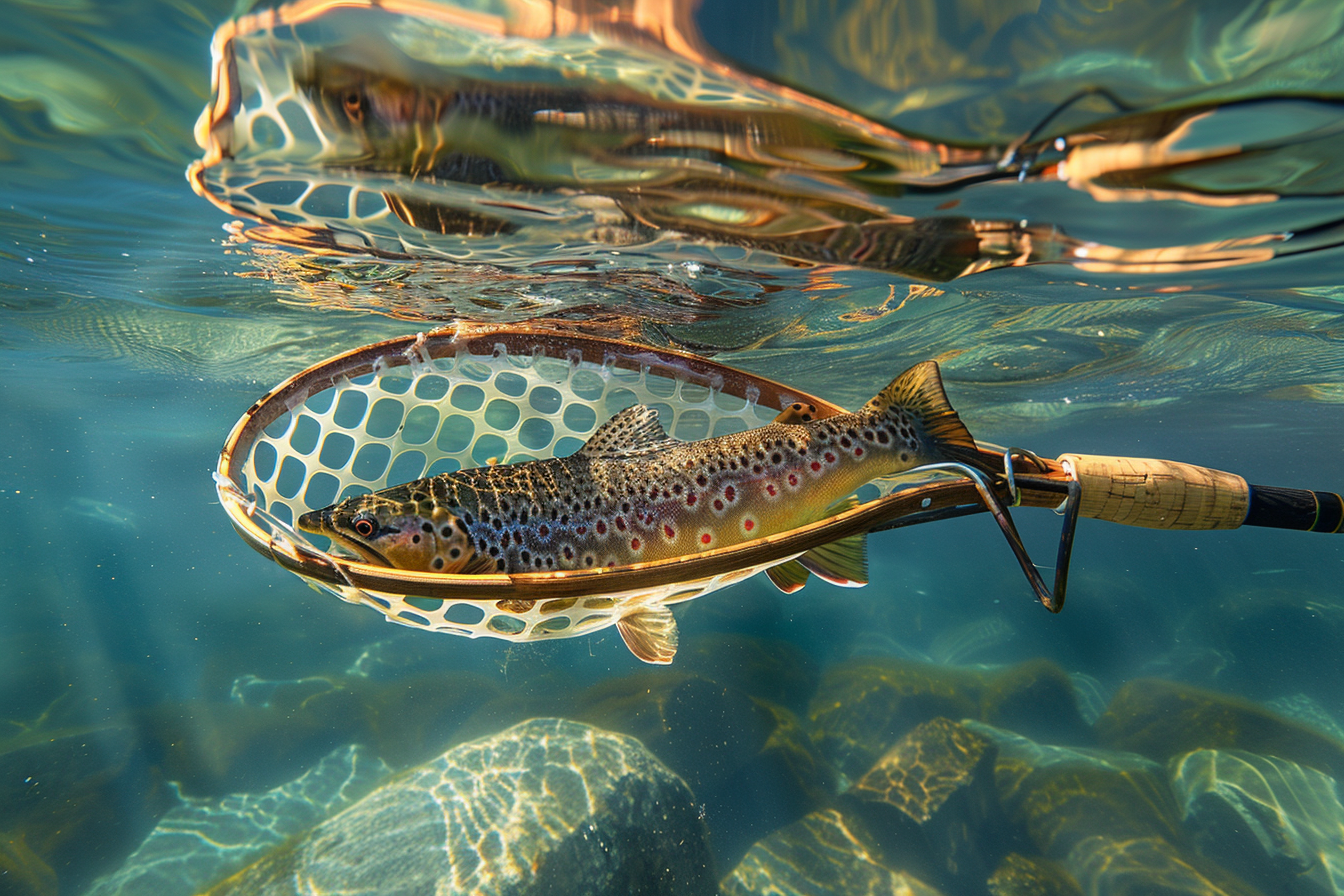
415, 539
438, 562
467, 517
494, 550
461, 525
499, 564
883, 437
427, 527
526, 556
776, 458
455, 553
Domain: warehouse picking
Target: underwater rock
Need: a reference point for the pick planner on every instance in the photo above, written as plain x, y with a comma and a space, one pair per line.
1272, 821
199, 842
743, 758
75, 787
1309, 711
1106, 866
862, 707
1162, 719
1019, 875
1109, 819
547, 806
932, 796
22, 871
822, 854
1060, 796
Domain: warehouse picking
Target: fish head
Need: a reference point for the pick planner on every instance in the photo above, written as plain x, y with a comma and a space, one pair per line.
401, 534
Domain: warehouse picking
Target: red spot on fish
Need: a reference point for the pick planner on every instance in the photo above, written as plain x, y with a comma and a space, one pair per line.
601, 528
793, 479
690, 500
748, 524
816, 466
730, 494
771, 490
620, 523
858, 452
718, 505
830, 458
569, 553
634, 544
543, 530
669, 531
581, 529
706, 538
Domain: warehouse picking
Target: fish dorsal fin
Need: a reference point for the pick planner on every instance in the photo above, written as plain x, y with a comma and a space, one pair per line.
796, 413
632, 432
843, 562
788, 576
919, 393
650, 633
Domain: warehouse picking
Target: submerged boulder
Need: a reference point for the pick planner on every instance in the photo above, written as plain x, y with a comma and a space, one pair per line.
932, 799
1277, 823
1019, 875
744, 758
545, 807
202, 841
1164, 719
1109, 819
822, 854
863, 707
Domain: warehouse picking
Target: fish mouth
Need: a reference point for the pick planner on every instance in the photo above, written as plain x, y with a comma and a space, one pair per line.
318, 522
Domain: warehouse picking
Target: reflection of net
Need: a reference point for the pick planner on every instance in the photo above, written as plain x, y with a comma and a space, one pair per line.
353, 426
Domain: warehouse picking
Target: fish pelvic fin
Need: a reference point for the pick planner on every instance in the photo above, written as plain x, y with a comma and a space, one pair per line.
843, 562
650, 633
788, 576
917, 396
632, 432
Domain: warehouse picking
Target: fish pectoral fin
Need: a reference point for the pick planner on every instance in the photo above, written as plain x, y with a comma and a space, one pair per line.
796, 413
788, 576
650, 633
632, 432
843, 562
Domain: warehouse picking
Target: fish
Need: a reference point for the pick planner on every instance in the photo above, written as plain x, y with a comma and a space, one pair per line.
633, 494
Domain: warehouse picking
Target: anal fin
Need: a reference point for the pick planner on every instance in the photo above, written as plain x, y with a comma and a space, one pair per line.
843, 562
788, 576
650, 633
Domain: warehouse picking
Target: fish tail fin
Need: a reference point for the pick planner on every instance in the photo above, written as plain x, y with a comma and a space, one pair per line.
917, 397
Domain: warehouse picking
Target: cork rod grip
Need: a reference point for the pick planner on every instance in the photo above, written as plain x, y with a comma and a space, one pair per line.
1158, 494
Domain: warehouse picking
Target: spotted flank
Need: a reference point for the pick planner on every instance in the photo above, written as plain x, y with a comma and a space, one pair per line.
633, 494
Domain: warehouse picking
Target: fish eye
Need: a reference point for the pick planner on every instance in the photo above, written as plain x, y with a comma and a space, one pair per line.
353, 103
363, 526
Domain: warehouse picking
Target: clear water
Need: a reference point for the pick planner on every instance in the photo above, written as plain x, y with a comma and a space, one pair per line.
135, 329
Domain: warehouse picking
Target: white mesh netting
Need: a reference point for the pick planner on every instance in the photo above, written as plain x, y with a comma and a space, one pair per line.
414, 416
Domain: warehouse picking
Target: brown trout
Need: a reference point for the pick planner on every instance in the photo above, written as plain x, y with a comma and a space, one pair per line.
633, 494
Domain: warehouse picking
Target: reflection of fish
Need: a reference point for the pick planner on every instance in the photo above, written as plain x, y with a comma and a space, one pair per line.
632, 494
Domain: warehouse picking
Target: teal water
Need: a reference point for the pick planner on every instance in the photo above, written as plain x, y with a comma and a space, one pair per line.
135, 329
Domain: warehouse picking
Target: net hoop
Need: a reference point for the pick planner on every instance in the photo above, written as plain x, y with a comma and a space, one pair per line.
520, 606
